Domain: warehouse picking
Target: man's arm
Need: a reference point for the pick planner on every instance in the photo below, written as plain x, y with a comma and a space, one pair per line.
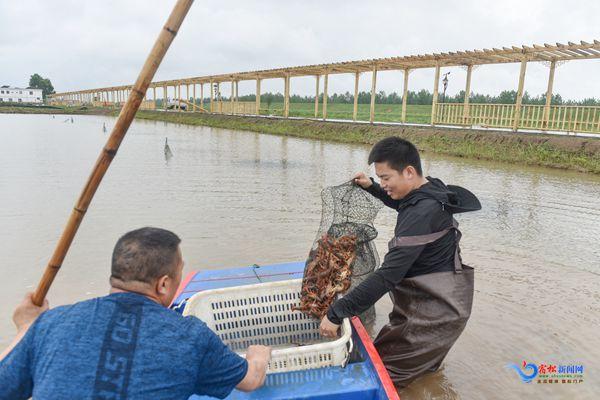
258, 358
396, 264
374, 189
24, 315
16, 380
221, 370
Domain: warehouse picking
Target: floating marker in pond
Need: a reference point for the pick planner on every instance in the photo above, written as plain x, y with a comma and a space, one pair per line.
168, 152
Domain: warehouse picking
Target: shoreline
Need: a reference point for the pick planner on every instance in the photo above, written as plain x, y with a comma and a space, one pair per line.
562, 152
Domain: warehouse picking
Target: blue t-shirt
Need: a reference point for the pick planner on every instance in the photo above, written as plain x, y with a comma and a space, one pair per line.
121, 346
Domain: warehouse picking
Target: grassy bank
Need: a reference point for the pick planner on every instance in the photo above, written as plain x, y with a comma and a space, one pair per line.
566, 152
22, 109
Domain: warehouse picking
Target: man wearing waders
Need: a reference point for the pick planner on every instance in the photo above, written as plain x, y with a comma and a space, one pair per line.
432, 291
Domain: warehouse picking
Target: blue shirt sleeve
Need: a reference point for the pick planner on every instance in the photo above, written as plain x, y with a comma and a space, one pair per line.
220, 368
16, 378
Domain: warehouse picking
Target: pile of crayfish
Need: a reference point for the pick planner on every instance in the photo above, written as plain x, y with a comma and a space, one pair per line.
327, 273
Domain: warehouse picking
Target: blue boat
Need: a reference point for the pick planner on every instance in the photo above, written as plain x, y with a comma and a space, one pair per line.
364, 378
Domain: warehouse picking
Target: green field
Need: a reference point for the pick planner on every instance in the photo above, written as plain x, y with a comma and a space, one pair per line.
420, 114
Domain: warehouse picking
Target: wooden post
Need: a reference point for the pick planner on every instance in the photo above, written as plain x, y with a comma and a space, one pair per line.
517, 118
373, 93
325, 96
187, 95
232, 99
212, 95
219, 99
154, 96
317, 96
165, 97
286, 98
257, 99
194, 94
467, 96
202, 96
546, 116
108, 152
355, 110
436, 83
179, 95
405, 94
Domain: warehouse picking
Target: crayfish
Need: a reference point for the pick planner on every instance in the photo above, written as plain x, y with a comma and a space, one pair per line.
327, 273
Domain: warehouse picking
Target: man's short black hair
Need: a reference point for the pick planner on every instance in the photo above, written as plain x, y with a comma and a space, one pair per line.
145, 255
397, 152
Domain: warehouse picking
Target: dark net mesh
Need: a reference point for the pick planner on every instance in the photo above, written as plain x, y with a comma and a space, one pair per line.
343, 252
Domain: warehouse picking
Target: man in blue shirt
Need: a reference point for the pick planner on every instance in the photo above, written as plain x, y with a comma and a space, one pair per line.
127, 345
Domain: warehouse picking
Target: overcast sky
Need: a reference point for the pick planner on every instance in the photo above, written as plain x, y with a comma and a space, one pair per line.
86, 44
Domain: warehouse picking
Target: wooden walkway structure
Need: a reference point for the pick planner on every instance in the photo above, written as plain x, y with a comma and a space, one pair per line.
514, 116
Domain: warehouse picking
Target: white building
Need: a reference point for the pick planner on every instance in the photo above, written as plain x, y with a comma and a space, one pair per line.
18, 95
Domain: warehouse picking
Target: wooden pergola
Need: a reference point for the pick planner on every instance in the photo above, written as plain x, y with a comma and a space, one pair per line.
550, 54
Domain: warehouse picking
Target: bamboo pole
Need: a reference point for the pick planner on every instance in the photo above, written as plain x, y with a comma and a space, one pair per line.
355, 109
517, 118
373, 89
436, 83
126, 115
549, 95
405, 95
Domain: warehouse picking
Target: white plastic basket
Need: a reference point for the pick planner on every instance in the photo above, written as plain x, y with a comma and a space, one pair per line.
261, 314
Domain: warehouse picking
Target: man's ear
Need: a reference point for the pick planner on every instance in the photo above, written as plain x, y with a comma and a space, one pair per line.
409, 172
162, 285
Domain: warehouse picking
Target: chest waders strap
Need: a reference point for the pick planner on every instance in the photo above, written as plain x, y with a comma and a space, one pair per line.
420, 240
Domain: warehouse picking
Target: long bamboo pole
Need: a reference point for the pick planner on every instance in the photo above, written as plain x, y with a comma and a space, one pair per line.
126, 115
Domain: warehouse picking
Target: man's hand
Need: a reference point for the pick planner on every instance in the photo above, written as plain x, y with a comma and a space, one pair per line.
258, 358
27, 312
328, 328
362, 180
259, 352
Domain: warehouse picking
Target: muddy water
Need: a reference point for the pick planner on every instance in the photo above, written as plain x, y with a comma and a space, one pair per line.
238, 198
